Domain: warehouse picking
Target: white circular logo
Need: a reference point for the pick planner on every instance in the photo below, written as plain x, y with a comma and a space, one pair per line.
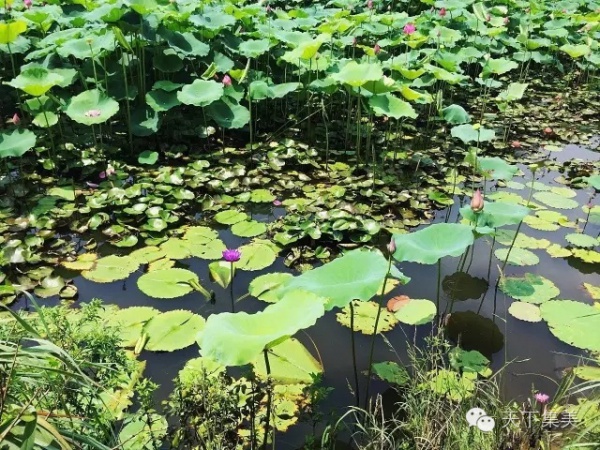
473, 416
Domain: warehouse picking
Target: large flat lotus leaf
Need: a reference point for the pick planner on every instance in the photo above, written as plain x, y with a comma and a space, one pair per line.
290, 363
495, 214
338, 280
147, 254
92, 107
530, 288
582, 240
172, 330
390, 106
469, 133
590, 373
555, 201
10, 31
16, 143
160, 264
518, 256
230, 217
429, 244
237, 339
85, 261
200, 93
130, 321
594, 291
228, 114
49, 287
111, 268
200, 235
257, 255
556, 251
417, 312
496, 168
365, 314
175, 248
588, 256
211, 250
261, 196
248, 228
36, 81
263, 287
167, 283
525, 311
355, 74
253, 48
573, 322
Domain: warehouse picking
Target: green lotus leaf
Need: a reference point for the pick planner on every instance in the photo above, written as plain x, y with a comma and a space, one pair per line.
290, 363
45, 119
137, 431
148, 157
238, 339
220, 271
200, 368
91, 107
496, 168
261, 196
391, 372
593, 181
589, 373
212, 19
513, 92
451, 384
365, 314
257, 255
248, 228
144, 121
355, 74
253, 48
505, 237
210, 250
530, 288
417, 312
16, 143
147, 254
337, 280
588, 256
538, 223
160, 264
582, 240
10, 31
264, 286
495, 214
555, 201
111, 268
49, 287
429, 244
517, 257
160, 100
172, 330
185, 43
168, 283
130, 322
576, 50
260, 90
175, 248
85, 261
468, 361
525, 311
455, 115
127, 241
90, 46
200, 93
229, 114
390, 106
230, 217
498, 66
469, 133
36, 80
573, 322
200, 235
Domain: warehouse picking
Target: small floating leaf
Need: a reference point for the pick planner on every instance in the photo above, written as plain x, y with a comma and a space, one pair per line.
530, 288
167, 283
555, 201
248, 228
417, 312
365, 314
525, 311
518, 256
582, 240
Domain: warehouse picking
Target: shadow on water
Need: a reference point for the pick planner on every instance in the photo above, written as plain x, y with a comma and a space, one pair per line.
479, 314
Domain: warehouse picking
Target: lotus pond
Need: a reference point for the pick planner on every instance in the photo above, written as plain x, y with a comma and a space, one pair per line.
300, 217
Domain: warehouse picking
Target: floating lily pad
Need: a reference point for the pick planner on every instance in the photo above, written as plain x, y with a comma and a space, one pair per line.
172, 330
496, 168
130, 322
160, 264
248, 228
538, 223
563, 191
261, 196
588, 256
391, 372
200, 235
111, 268
210, 250
263, 287
428, 245
147, 254
365, 314
230, 217
505, 237
555, 201
290, 363
85, 261
531, 288
175, 248
525, 311
594, 291
257, 255
49, 287
582, 240
556, 251
573, 322
238, 339
167, 283
417, 312
518, 256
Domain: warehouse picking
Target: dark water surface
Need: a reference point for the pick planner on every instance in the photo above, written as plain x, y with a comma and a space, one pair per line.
536, 356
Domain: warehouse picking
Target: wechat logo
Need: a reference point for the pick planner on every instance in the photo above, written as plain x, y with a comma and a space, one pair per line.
477, 417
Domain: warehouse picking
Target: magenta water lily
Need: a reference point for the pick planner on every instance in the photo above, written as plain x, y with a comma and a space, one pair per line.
232, 255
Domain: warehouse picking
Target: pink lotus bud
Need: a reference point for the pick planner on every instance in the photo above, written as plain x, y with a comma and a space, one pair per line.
16, 120
488, 18
409, 29
477, 201
515, 144
442, 12
506, 20
27, 3
268, 9
391, 246
226, 80
548, 130
377, 49
354, 42
277, 202
370, 4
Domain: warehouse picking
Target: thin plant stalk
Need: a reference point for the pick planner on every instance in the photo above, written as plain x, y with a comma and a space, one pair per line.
269, 400
356, 384
231, 288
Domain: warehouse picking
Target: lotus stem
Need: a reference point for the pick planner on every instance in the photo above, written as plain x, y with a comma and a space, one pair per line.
269, 400
127, 106
370, 368
231, 289
356, 384
439, 276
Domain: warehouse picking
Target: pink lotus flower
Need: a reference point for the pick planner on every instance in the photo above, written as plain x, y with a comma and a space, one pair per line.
542, 398
110, 170
16, 120
27, 3
515, 144
226, 80
488, 18
409, 29
232, 255
377, 49
277, 203
477, 201
442, 12
93, 113
548, 130
370, 4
